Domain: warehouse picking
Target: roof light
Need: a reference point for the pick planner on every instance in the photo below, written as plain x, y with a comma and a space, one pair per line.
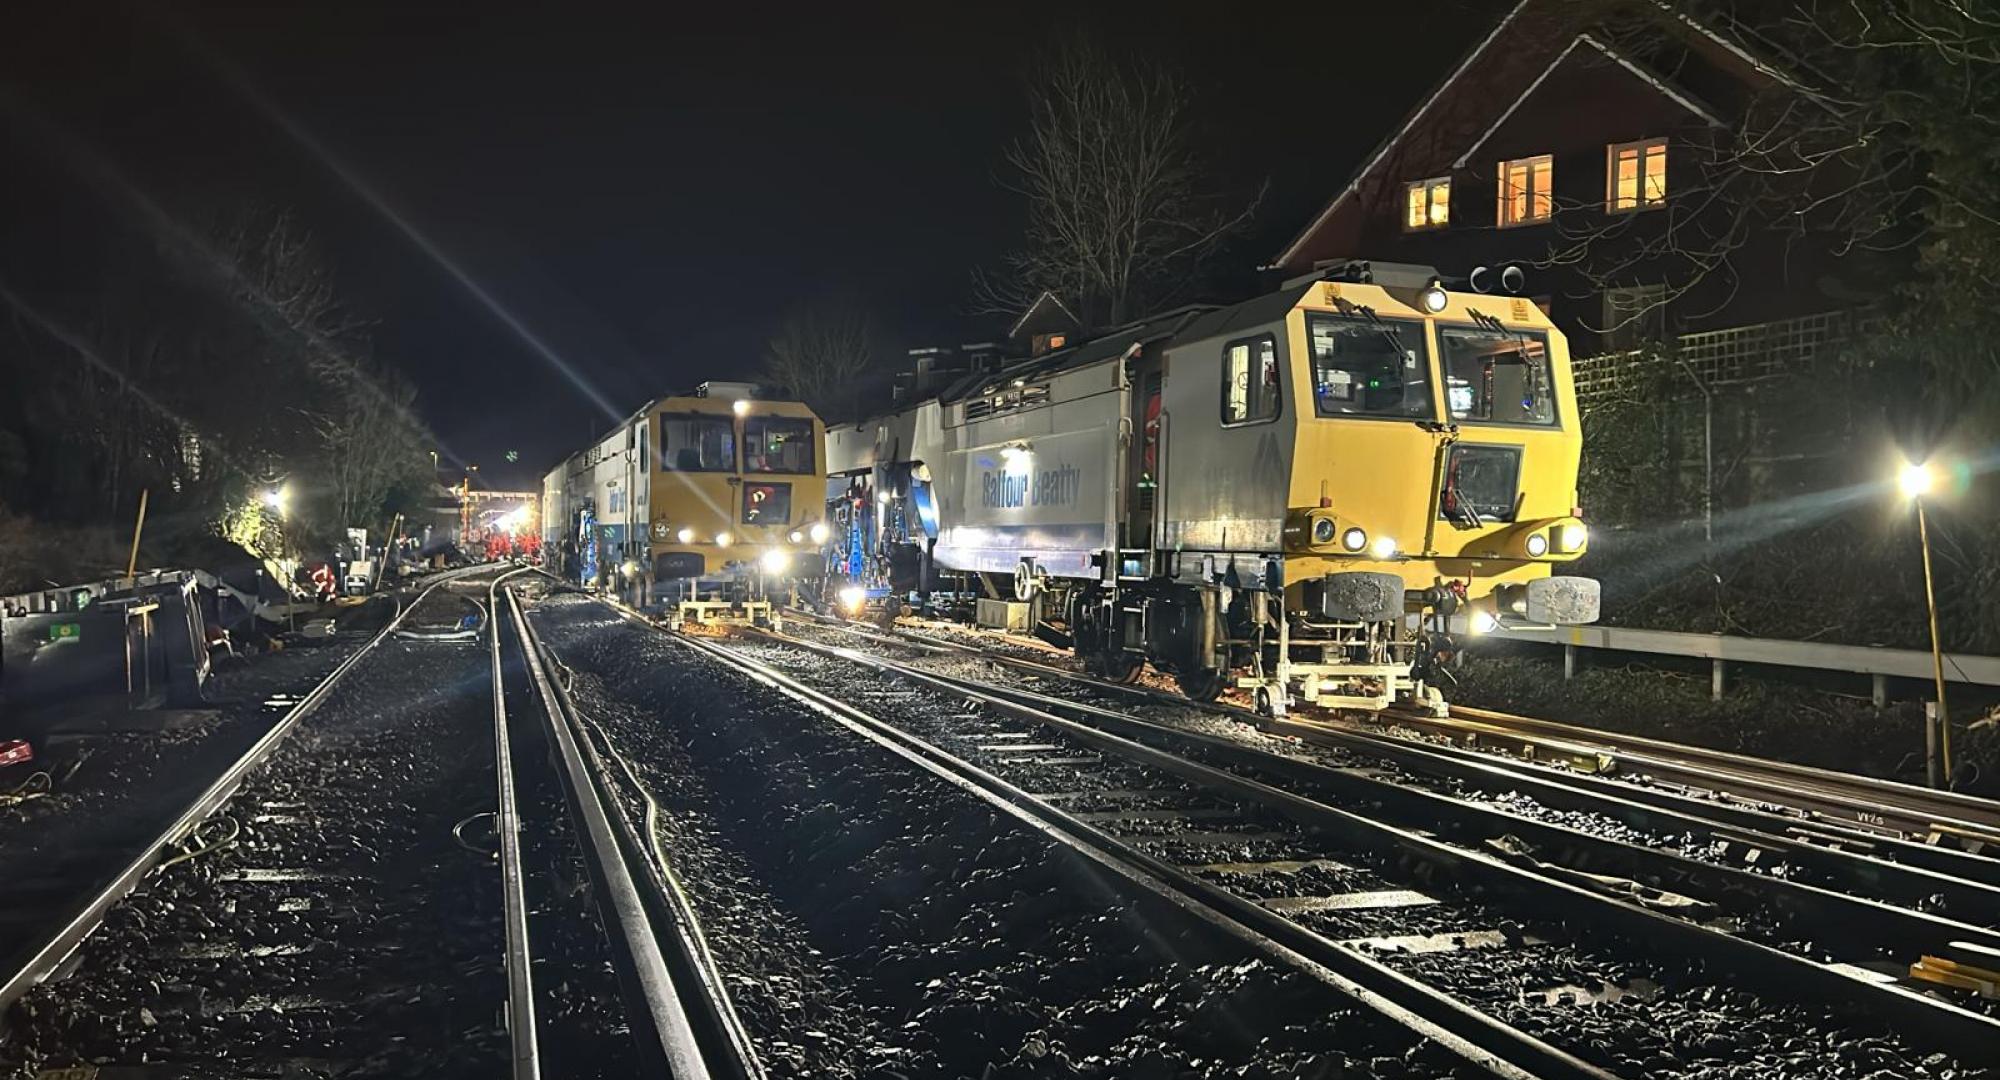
1433, 298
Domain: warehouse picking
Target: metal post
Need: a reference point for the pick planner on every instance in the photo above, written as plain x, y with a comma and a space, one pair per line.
139, 526
1933, 767
1943, 722
1569, 662
1717, 679
1881, 690
1707, 452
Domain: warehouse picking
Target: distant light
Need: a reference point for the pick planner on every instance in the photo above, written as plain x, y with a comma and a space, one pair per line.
1354, 539
1916, 480
685, 536
1538, 546
722, 539
775, 561
740, 406
819, 532
1383, 548
852, 597
1484, 623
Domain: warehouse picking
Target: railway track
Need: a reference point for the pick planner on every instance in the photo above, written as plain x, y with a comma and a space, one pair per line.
1759, 958
1950, 833
328, 906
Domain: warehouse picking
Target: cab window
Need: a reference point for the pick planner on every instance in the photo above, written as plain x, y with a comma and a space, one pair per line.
767, 504
1251, 384
1497, 377
777, 444
691, 442
1368, 366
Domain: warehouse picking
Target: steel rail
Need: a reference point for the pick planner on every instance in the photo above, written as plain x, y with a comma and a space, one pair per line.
86, 918
683, 1043
525, 1061
1871, 802
1897, 870
1477, 1037
1840, 826
1749, 962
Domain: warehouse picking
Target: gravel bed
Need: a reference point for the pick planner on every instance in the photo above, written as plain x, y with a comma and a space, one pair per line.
341, 931
1679, 1004
874, 920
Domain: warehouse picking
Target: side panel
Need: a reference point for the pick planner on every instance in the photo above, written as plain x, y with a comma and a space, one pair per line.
1225, 488
1032, 483
1000, 505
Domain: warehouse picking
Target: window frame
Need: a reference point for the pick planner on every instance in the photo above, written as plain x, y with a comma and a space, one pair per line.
743, 444
1505, 188
726, 421
1429, 189
1548, 357
743, 500
1642, 204
1430, 365
1278, 405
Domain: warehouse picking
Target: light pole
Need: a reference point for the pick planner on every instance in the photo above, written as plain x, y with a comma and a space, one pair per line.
1916, 481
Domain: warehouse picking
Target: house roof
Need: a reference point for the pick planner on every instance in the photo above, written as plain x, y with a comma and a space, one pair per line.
1541, 41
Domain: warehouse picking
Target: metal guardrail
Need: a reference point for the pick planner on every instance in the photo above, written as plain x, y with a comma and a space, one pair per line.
1721, 650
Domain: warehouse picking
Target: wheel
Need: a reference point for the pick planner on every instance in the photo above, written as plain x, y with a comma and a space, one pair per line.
1204, 685
1123, 667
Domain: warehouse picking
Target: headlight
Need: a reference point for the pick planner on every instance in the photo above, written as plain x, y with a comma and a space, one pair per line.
1383, 548
819, 532
795, 536
852, 597
685, 536
1538, 545
722, 539
1433, 297
1354, 539
1322, 530
630, 568
1571, 537
659, 530
1483, 622
775, 561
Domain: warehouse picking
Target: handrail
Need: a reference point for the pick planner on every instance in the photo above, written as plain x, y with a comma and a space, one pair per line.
1873, 660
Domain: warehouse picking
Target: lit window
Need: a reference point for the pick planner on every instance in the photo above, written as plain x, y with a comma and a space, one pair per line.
1635, 176
1429, 204
1527, 190
1251, 389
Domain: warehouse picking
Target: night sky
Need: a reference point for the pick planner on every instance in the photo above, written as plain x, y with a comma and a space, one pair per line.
647, 189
